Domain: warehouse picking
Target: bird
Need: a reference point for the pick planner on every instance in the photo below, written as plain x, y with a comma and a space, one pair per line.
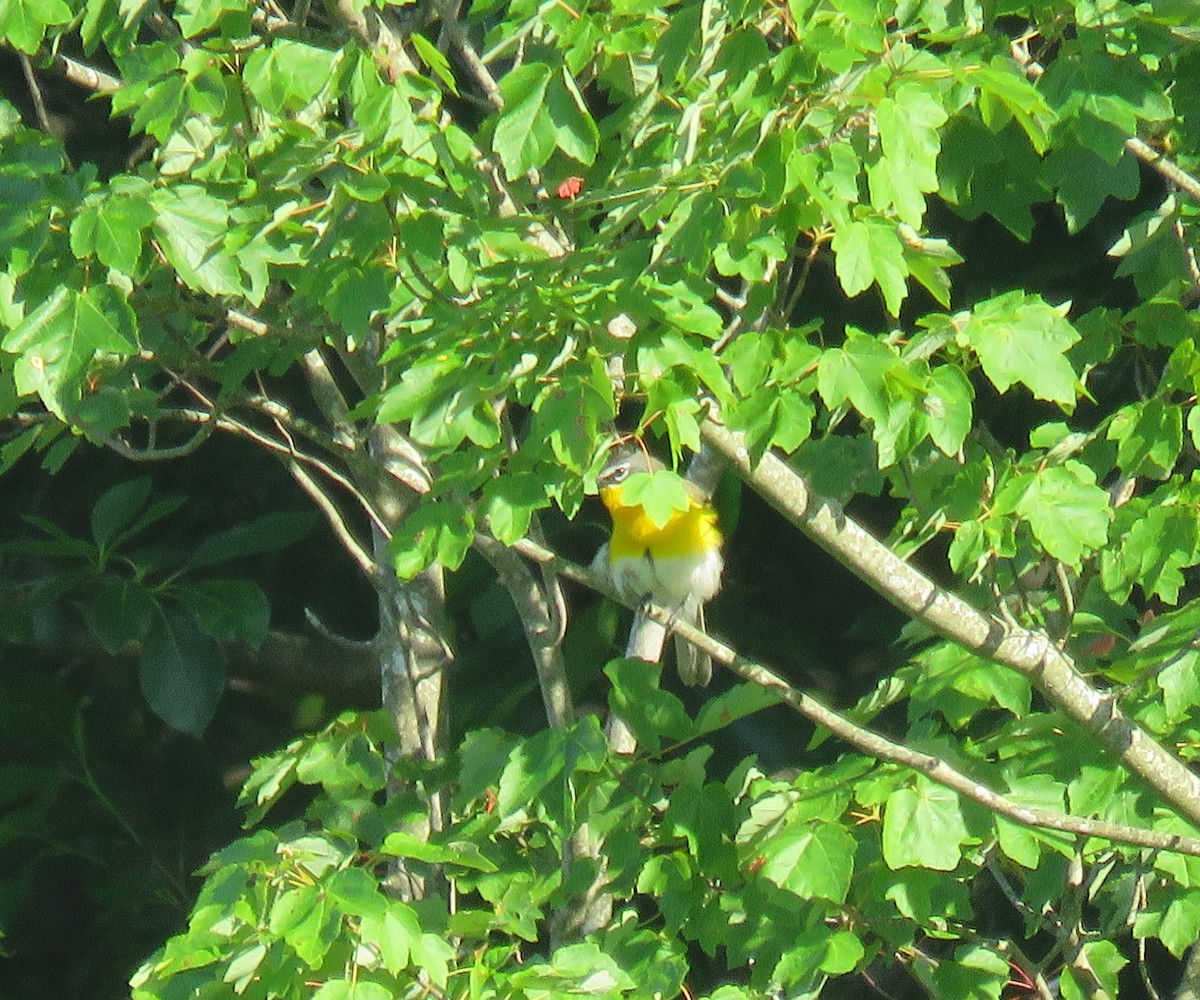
677, 565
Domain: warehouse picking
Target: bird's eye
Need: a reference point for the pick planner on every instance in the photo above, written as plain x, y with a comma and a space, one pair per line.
616, 474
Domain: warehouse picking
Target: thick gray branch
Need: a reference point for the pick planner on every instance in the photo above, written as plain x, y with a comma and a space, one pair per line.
1030, 653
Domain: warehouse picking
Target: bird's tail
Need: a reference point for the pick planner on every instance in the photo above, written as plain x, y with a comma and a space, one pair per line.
694, 666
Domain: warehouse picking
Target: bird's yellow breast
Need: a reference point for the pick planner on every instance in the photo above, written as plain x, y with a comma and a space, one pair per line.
688, 532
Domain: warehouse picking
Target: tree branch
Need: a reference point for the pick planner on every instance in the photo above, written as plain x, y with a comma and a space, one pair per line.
335, 519
866, 740
1032, 654
537, 616
1166, 167
83, 75
208, 422
373, 28
453, 30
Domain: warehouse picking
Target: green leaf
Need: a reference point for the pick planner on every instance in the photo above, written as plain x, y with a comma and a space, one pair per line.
1007, 92
637, 699
843, 953
291, 908
872, 377
977, 973
343, 764
997, 173
111, 225
525, 134
60, 340
856, 374
575, 131
463, 853
120, 613
191, 225
574, 970
393, 934
870, 252
1180, 927
441, 532
660, 494
355, 294
431, 955
270, 778
1066, 509
793, 415
243, 966
1083, 182
923, 826
909, 120
320, 926
509, 502
483, 754
197, 16
465, 414
117, 507
287, 76
1019, 338
1149, 437
656, 358
1022, 843
811, 860
1102, 790
948, 409
728, 707
23, 23
352, 989
1180, 686
1152, 548
269, 533
435, 60
357, 893
532, 765
418, 387
182, 672
1105, 961
227, 610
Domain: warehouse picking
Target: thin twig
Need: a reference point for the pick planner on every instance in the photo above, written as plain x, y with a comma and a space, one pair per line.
334, 639
150, 453
1038, 919
1189, 256
789, 306
35, 92
866, 740
1068, 601
239, 319
285, 420
335, 519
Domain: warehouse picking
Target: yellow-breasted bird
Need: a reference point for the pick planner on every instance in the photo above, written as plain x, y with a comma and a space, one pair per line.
677, 565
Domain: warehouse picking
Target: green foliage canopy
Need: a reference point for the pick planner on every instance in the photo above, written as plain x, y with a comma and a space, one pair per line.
485, 230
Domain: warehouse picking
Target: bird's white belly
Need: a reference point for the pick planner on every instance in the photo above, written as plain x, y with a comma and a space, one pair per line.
670, 581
